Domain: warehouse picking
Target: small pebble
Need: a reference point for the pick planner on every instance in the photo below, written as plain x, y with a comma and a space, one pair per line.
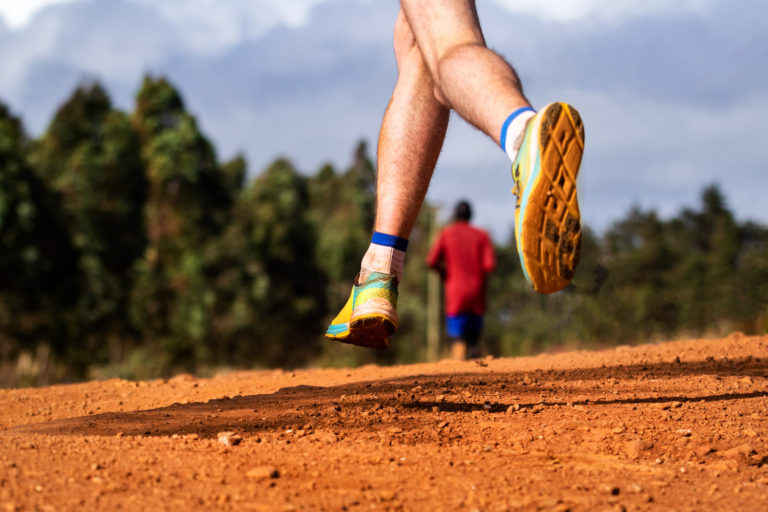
229, 438
263, 473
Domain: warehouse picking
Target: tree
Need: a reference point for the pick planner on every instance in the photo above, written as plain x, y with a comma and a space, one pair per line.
270, 292
90, 157
36, 258
342, 210
188, 203
639, 261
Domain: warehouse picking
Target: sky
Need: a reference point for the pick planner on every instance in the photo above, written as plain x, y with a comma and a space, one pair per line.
17, 13
672, 93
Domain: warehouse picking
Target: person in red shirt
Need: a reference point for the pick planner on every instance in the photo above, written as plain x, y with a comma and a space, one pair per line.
463, 254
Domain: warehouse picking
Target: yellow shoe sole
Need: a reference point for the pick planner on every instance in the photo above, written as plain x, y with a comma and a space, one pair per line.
550, 222
371, 332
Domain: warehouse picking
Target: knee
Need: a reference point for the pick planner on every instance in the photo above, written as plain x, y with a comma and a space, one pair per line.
409, 58
441, 99
406, 51
409, 54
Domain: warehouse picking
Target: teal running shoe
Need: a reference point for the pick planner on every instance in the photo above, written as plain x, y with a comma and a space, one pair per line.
370, 315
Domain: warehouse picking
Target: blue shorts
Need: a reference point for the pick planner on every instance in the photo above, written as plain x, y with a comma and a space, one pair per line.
464, 326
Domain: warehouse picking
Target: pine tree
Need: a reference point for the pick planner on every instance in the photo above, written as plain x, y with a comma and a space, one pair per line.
37, 261
270, 292
189, 198
90, 157
342, 209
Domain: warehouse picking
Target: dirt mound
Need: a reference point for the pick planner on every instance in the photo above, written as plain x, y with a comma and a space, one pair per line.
675, 426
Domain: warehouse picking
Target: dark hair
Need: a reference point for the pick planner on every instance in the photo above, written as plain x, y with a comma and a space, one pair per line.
463, 211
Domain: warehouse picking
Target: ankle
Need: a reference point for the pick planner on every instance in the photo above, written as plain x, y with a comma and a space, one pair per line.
386, 255
513, 130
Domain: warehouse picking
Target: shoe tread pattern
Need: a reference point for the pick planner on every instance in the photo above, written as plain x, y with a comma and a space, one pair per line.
371, 332
552, 232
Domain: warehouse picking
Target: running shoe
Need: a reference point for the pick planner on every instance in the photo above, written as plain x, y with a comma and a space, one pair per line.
370, 315
547, 219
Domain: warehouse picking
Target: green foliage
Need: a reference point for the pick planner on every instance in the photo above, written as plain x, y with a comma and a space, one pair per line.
189, 193
89, 158
37, 259
127, 249
695, 274
270, 294
409, 345
341, 209
20, 255
189, 198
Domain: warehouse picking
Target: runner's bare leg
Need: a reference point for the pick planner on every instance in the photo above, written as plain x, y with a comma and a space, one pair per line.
443, 63
410, 140
471, 79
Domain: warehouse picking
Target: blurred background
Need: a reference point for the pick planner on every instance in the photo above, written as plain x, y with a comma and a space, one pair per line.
188, 185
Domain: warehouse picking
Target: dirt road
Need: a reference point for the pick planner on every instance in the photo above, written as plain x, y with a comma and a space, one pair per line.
675, 426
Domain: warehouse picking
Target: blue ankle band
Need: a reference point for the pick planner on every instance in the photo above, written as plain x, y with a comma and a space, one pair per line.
389, 241
509, 120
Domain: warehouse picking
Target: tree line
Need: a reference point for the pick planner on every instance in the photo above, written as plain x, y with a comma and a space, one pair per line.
699, 273
127, 248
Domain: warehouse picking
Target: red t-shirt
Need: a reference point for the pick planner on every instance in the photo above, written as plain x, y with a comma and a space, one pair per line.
468, 256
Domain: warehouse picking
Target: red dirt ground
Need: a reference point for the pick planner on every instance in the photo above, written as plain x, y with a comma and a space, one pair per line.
674, 426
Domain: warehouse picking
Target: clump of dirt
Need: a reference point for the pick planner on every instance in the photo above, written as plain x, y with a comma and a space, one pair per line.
674, 426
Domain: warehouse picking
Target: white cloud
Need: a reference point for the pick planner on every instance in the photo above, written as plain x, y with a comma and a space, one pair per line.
237, 19
210, 26
600, 11
18, 13
206, 26
229, 20
660, 124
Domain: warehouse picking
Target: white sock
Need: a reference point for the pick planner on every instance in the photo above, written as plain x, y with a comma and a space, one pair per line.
515, 130
380, 258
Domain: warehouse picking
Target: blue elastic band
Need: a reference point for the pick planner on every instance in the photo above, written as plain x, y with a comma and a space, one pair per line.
509, 120
389, 241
